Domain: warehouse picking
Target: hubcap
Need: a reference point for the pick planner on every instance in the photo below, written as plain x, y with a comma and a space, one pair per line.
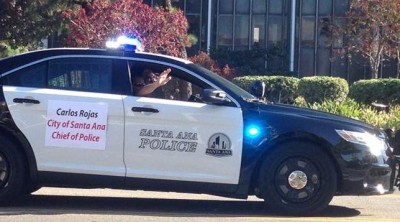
297, 179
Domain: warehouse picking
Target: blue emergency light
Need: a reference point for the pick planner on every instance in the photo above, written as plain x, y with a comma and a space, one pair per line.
125, 43
253, 131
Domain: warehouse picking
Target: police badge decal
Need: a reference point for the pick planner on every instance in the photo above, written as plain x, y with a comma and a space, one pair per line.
219, 145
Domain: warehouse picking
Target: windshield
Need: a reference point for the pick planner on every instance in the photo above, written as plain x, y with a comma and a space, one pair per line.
223, 82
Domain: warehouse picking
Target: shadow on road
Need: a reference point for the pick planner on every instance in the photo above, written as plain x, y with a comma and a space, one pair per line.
54, 205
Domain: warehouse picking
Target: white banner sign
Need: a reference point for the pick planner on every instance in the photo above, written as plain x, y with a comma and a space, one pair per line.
76, 125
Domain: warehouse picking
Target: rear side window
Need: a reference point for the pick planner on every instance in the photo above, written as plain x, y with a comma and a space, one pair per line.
82, 74
32, 76
78, 74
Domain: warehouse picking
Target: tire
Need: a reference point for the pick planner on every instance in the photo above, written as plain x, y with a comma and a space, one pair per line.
297, 178
12, 171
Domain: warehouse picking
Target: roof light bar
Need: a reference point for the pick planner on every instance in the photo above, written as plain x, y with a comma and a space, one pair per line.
126, 43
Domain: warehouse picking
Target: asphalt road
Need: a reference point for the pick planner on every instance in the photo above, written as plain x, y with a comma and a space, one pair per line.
53, 204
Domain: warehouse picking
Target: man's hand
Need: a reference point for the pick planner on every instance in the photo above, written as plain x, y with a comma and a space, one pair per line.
163, 78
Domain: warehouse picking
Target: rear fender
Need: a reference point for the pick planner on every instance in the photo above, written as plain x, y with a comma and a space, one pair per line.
9, 130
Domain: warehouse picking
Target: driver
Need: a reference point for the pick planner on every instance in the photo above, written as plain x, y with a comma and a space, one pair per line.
149, 81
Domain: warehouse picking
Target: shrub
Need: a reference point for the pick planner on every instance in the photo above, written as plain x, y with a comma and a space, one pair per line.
320, 88
348, 108
385, 91
280, 89
352, 109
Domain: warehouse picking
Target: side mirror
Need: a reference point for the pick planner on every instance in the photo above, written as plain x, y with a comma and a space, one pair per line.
257, 88
213, 96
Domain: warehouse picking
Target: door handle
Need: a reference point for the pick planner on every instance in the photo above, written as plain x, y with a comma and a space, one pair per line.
144, 109
24, 100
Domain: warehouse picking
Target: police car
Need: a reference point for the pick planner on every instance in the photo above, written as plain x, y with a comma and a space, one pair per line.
69, 118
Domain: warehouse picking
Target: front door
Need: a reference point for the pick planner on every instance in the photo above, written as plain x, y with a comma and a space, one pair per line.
172, 139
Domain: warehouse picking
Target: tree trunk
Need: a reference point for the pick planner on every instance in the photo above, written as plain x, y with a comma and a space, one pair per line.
398, 63
375, 56
374, 69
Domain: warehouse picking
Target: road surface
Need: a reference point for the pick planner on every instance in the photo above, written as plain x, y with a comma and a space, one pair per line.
56, 204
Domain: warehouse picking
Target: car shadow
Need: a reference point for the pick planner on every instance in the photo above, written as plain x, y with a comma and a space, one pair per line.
54, 205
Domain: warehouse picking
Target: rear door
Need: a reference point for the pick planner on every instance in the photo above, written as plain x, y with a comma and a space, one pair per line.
68, 111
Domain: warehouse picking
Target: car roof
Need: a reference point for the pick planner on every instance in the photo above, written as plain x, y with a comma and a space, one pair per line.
16, 61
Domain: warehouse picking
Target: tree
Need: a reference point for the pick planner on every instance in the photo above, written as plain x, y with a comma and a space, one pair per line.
368, 22
393, 33
24, 23
160, 30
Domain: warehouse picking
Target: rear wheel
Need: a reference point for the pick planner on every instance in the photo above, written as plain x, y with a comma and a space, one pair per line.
12, 171
297, 178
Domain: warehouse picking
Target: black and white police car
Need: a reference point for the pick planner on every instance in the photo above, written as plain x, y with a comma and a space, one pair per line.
69, 118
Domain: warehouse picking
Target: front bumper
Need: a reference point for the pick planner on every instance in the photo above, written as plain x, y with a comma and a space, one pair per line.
375, 180
365, 173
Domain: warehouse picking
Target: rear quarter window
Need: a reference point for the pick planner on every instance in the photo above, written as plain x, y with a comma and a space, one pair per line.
90, 74
32, 76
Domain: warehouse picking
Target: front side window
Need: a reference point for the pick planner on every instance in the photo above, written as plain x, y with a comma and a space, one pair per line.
181, 86
82, 74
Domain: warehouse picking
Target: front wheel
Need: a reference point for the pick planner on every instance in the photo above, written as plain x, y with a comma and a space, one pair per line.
297, 178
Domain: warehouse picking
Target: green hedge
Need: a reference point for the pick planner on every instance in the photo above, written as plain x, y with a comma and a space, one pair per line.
329, 94
385, 91
362, 112
280, 89
321, 88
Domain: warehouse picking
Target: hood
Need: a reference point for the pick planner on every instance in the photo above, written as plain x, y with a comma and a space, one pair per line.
286, 110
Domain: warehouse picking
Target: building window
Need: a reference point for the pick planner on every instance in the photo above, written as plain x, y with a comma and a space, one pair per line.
195, 29
242, 23
242, 6
225, 30
325, 7
274, 30
307, 31
226, 6
275, 7
341, 7
308, 7
323, 61
242, 32
259, 6
258, 28
193, 6
324, 32
253, 22
307, 61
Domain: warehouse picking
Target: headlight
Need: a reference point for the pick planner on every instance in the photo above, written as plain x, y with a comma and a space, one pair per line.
375, 144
